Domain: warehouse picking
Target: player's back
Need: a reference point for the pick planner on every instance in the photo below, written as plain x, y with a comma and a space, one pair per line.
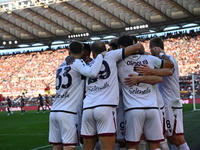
104, 90
69, 87
142, 94
169, 88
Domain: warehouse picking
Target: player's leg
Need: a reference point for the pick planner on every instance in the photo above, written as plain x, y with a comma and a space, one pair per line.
38, 109
163, 144
107, 142
153, 129
175, 132
54, 133
134, 123
120, 143
154, 145
88, 129
63, 130
106, 126
89, 143
8, 110
43, 108
58, 147
142, 144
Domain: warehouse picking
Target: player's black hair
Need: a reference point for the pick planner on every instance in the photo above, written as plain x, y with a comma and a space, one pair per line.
125, 41
113, 43
76, 47
157, 42
134, 38
98, 47
86, 47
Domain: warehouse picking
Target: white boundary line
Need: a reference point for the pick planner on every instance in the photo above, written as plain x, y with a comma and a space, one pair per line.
41, 147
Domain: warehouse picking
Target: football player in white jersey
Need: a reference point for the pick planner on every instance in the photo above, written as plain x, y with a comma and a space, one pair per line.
140, 103
69, 96
102, 98
170, 92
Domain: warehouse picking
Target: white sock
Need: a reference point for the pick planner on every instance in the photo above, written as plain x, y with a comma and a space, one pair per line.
173, 147
157, 149
184, 146
164, 145
142, 145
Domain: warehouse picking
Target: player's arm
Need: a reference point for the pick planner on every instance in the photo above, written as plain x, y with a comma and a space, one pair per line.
133, 79
146, 70
158, 52
93, 70
136, 48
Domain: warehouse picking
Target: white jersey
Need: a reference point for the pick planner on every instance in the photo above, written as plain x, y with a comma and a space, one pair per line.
169, 88
70, 84
159, 98
104, 90
141, 95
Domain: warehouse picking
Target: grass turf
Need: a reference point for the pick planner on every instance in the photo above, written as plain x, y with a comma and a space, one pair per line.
30, 131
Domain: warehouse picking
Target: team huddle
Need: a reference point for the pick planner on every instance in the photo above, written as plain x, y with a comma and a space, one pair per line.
120, 99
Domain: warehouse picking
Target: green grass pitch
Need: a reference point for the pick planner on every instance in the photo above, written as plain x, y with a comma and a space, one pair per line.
30, 131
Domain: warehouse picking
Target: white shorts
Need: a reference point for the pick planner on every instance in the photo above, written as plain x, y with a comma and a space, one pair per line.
147, 121
120, 121
163, 119
63, 129
99, 121
174, 121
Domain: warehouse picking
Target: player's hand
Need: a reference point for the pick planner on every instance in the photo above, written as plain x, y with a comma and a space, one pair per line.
88, 60
156, 51
132, 79
69, 60
143, 70
141, 52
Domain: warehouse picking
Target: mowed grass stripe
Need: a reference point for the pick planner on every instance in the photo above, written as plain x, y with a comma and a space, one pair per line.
23, 132
30, 131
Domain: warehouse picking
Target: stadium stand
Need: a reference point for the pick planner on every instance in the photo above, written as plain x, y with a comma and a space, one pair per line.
35, 71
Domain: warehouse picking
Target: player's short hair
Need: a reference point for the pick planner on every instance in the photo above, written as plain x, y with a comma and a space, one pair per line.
113, 43
125, 41
98, 47
86, 47
76, 47
157, 42
134, 38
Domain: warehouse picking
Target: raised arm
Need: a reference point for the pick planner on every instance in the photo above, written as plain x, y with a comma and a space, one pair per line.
136, 48
93, 70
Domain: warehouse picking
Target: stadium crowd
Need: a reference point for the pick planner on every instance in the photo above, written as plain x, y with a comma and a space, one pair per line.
35, 71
